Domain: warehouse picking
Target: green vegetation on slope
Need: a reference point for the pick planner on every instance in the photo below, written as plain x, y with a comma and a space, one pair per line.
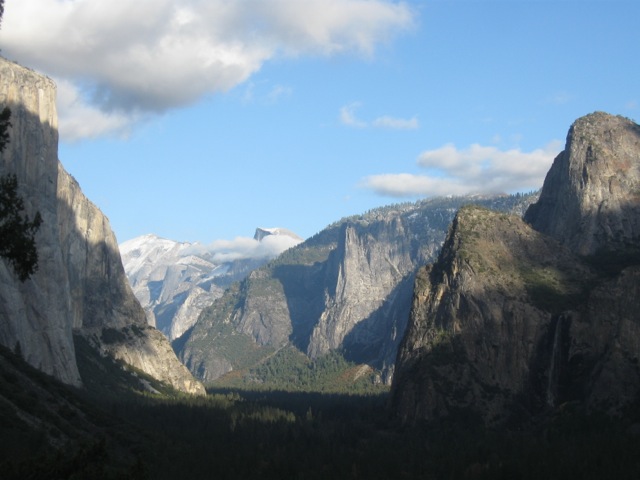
291, 370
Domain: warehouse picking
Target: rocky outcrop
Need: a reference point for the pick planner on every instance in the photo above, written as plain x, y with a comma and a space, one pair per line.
511, 322
346, 289
80, 284
590, 200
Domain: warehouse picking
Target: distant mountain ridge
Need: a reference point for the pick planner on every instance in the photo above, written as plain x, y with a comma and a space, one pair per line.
174, 281
347, 289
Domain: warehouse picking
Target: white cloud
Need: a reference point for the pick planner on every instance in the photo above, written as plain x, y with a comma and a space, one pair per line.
79, 119
348, 117
246, 248
396, 123
409, 185
478, 169
140, 56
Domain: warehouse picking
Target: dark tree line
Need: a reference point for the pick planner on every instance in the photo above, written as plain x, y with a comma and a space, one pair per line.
17, 231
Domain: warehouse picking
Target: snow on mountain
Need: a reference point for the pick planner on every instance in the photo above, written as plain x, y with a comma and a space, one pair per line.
174, 280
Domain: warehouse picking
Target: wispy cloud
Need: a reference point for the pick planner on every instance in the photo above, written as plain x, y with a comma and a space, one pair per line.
242, 248
264, 94
560, 98
134, 58
278, 92
396, 123
349, 118
477, 169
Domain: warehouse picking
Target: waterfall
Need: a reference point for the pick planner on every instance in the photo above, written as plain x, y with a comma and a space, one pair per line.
552, 383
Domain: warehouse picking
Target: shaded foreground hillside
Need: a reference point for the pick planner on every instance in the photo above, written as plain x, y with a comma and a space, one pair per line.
52, 431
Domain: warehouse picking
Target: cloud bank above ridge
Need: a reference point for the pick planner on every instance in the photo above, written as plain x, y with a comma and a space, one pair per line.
477, 169
120, 61
244, 248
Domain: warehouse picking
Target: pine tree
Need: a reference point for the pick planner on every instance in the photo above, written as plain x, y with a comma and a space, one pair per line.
17, 231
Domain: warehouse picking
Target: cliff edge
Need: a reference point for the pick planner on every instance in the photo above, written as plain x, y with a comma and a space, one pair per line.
80, 286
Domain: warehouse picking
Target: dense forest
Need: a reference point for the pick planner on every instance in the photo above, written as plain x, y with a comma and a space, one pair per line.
114, 431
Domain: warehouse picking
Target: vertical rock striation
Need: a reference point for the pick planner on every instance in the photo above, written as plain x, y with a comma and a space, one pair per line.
80, 286
37, 314
515, 319
347, 289
590, 200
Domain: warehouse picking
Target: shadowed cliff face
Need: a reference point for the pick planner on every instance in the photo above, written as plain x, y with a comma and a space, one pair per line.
511, 322
43, 334
80, 284
348, 289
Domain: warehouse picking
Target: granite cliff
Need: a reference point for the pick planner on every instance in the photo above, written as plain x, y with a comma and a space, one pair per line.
516, 317
347, 290
80, 287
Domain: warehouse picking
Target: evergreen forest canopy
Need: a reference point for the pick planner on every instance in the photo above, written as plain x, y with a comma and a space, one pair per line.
110, 431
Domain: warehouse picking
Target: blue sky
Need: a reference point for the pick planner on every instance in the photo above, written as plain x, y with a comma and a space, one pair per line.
202, 120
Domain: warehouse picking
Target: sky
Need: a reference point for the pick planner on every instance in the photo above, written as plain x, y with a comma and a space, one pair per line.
200, 120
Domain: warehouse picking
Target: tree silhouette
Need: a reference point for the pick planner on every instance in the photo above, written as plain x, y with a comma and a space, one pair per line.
17, 231
5, 123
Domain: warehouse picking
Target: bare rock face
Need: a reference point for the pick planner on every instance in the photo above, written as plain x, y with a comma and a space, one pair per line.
367, 275
513, 319
80, 285
44, 335
175, 281
347, 289
590, 200
481, 318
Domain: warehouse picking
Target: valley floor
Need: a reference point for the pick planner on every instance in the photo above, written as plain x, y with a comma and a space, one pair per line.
243, 434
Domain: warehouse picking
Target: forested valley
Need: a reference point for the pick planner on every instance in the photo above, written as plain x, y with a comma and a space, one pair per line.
265, 433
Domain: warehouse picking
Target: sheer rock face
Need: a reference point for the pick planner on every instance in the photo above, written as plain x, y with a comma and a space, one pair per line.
348, 289
80, 284
511, 321
365, 274
590, 200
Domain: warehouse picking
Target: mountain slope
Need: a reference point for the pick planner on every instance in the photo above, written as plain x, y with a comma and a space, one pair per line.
175, 281
346, 289
511, 322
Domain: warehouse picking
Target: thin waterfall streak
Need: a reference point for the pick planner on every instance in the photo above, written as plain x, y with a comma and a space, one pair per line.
553, 367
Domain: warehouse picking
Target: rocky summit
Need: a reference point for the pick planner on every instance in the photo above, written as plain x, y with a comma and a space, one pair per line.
590, 200
80, 286
517, 318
